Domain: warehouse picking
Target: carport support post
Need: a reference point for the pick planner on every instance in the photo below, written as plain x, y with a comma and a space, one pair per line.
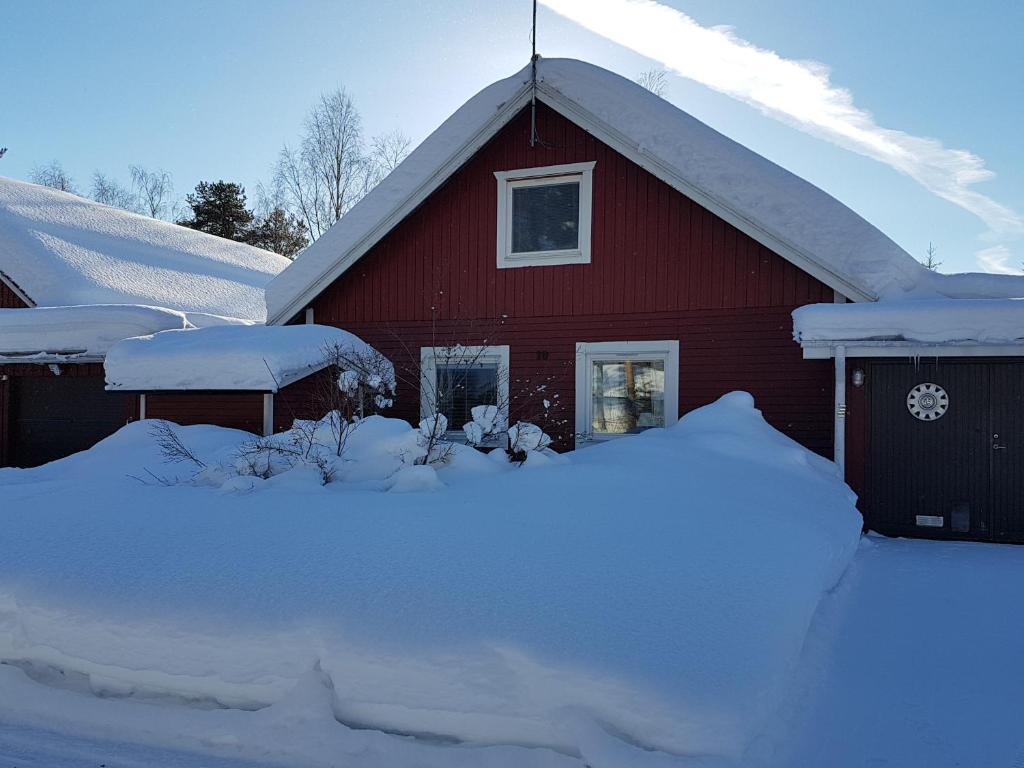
142, 407
268, 414
839, 451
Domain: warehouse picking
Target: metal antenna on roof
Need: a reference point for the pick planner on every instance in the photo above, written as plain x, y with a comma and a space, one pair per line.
533, 79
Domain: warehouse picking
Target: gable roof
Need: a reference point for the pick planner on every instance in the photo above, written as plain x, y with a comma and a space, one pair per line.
783, 212
58, 249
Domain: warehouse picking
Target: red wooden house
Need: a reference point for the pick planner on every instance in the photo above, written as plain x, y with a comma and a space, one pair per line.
596, 248
600, 228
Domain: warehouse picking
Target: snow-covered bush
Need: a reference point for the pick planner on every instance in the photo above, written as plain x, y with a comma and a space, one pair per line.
525, 437
487, 425
355, 383
432, 439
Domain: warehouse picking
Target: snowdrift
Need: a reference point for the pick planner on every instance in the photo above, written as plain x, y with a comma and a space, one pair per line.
651, 593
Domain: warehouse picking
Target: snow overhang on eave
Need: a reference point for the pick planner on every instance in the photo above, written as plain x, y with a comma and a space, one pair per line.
824, 350
44, 358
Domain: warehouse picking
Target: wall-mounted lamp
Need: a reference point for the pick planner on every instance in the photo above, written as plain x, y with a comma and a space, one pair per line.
857, 377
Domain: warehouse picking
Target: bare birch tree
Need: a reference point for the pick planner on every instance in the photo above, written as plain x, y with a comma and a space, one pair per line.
107, 191
654, 80
154, 192
324, 177
386, 152
53, 175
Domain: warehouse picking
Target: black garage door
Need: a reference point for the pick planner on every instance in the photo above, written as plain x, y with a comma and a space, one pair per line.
946, 449
54, 416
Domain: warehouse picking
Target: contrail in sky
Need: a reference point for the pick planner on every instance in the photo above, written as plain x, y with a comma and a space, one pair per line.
799, 93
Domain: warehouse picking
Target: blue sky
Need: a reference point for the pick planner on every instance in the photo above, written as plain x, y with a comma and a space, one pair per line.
211, 90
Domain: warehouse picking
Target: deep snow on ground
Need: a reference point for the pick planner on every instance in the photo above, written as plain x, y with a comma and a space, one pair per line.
22, 747
656, 588
914, 661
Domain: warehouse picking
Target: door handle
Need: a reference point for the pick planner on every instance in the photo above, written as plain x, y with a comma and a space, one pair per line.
997, 447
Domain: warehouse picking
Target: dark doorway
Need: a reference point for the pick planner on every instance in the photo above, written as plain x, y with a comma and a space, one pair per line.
54, 416
946, 449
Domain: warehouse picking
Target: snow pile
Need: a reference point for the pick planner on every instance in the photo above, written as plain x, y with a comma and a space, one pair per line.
61, 249
985, 321
232, 357
88, 331
789, 213
650, 593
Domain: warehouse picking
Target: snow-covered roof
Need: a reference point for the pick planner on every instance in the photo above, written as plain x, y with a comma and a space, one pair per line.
58, 249
250, 358
931, 321
784, 212
51, 334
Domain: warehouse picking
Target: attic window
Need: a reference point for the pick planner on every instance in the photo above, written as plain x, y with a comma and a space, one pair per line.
544, 215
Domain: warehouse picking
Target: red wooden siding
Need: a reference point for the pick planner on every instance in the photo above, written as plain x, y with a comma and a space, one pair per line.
10, 372
9, 299
302, 399
237, 410
662, 267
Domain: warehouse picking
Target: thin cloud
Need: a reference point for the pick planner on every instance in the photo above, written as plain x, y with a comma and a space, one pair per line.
799, 93
998, 260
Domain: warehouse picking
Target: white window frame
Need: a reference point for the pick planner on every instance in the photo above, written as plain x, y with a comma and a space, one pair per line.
587, 353
532, 177
479, 354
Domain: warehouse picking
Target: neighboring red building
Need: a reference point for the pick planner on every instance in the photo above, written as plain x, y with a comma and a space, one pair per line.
82, 272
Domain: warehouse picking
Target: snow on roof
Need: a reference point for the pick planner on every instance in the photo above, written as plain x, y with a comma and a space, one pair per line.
982, 321
251, 358
60, 249
781, 210
43, 334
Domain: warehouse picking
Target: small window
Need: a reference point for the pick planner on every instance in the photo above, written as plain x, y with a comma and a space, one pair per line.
623, 388
456, 379
544, 215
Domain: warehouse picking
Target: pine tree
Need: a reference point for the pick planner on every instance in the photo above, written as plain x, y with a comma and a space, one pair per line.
280, 232
219, 208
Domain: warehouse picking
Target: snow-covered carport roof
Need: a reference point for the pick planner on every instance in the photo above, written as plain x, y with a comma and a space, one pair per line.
785, 213
253, 358
59, 249
912, 328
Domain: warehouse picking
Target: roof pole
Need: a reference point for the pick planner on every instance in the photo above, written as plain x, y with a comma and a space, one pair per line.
533, 78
